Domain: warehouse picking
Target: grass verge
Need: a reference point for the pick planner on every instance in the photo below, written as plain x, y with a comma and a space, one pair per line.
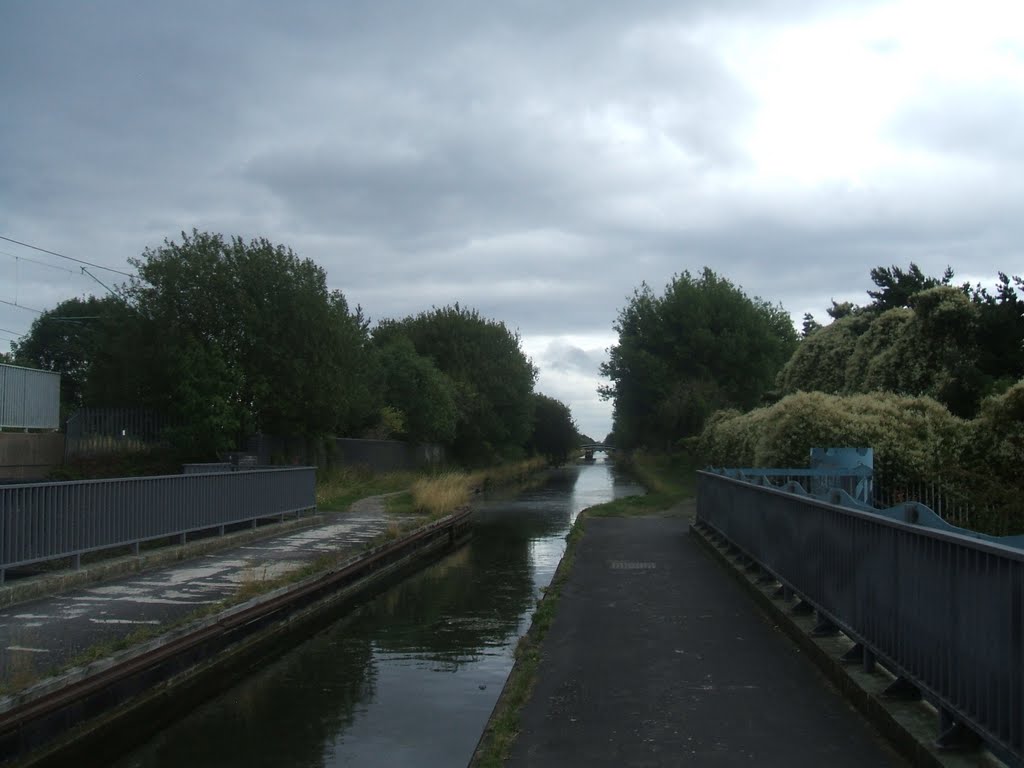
338, 487
435, 495
442, 494
668, 478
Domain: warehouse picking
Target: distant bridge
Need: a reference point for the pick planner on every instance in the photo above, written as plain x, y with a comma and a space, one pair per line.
591, 448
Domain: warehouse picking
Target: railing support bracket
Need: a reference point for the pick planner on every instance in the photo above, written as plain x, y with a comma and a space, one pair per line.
825, 627
853, 656
954, 736
902, 689
802, 608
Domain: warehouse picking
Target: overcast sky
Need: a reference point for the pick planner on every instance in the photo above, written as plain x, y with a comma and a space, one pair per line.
536, 160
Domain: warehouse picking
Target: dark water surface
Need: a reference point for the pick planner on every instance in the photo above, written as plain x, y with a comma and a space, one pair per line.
410, 678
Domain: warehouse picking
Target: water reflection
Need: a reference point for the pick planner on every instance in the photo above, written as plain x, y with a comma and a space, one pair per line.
411, 677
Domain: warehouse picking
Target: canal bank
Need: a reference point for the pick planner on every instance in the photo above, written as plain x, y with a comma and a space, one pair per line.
83, 713
410, 677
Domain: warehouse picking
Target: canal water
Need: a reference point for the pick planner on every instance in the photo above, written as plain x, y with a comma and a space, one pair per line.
411, 677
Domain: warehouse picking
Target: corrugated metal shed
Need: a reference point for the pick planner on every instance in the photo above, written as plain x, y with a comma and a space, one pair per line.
29, 398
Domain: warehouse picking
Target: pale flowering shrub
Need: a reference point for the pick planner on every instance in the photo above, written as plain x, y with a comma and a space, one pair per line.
997, 435
730, 438
975, 469
914, 438
876, 360
819, 362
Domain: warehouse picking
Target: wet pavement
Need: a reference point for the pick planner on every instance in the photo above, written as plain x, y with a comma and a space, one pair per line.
656, 657
43, 636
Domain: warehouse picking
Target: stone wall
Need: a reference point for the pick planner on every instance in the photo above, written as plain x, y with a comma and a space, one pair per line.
30, 455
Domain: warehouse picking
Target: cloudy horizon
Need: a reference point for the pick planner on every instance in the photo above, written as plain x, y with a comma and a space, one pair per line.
535, 161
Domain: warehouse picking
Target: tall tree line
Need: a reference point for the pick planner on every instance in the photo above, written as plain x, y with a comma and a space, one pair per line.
228, 338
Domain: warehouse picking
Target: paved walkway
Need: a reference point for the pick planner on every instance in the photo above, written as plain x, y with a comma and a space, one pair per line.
657, 658
39, 637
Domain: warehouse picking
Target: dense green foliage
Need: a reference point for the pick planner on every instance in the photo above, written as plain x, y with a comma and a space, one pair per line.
554, 433
491, 376
702, 346
226, 339
66, 339
232, 338
920, 336
917, 443
418, 392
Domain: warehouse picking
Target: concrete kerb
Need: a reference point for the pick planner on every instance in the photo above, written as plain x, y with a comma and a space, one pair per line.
91, 669
48, 584
909, 726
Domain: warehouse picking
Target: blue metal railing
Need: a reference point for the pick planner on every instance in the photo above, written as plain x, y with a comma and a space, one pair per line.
48, 521
940, 607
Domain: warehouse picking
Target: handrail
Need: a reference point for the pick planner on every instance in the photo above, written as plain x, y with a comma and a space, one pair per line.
940, 607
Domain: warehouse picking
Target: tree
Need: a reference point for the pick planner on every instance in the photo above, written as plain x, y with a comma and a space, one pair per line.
810, 325
230, 338
1000, 327
412, 385
896, 286
702, 346
554, 431
67, 340
491, 376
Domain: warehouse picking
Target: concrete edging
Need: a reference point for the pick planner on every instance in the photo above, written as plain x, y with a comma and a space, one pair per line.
909, 726
81, 712
54, 583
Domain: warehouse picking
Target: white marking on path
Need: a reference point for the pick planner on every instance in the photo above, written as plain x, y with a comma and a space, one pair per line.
165, 601
27, 650
124, 621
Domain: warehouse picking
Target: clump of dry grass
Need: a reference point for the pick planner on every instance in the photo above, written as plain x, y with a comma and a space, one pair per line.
441, 494
444, 493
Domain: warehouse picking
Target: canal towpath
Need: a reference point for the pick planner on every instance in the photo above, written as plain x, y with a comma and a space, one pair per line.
45, 635
656, 657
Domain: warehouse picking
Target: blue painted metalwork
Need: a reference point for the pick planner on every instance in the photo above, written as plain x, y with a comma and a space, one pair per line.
911, 512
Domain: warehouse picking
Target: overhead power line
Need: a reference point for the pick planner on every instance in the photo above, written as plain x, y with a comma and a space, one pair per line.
62, 256
8, 330
21, 306
16, 257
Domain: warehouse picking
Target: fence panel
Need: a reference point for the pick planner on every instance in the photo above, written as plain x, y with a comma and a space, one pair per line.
942, 609
46, 521
29, 398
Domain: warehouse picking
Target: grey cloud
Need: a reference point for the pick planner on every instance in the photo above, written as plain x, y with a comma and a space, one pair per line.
982, 123
535, 160
564, 357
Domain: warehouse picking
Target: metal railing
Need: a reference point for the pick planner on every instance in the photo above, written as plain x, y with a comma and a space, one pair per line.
105, 431
857, 482
49, 521
942, 610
